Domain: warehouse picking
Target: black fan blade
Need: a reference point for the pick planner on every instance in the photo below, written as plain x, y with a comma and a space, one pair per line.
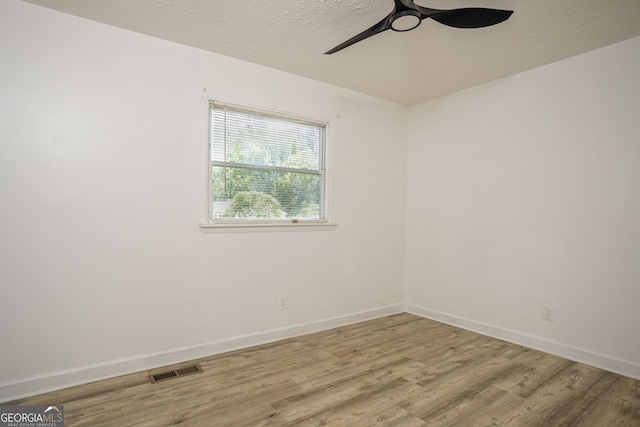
378, 28
471, 17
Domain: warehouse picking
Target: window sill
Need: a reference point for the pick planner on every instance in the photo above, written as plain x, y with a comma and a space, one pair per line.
234, 227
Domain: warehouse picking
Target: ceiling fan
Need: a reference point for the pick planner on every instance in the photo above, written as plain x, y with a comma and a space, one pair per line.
406, 15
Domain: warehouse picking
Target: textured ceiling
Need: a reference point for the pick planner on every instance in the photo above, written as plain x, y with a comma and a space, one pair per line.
407, 68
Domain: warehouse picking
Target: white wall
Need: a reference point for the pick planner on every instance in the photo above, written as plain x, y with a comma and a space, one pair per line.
103, 267
526, 191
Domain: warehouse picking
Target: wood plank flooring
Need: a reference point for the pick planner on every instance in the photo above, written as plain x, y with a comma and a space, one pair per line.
399, 370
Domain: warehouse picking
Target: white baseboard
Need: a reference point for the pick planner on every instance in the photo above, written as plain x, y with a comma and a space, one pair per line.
59, 380
587, 357
63, 379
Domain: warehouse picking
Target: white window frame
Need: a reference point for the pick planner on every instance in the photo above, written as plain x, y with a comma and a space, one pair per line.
284, 224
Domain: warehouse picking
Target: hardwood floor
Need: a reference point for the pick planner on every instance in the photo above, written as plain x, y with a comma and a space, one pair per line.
398, 370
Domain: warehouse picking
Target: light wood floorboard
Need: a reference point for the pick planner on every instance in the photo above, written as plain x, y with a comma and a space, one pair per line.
399, 370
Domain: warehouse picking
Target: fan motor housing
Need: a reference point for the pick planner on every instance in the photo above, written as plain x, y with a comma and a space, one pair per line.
405, 20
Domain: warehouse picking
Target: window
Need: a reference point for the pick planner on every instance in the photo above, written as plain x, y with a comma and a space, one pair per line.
266, 167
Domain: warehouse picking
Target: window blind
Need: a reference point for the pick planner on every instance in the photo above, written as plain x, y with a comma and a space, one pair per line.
266, 166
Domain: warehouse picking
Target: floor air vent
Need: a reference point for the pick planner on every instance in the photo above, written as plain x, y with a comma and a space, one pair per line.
165, 374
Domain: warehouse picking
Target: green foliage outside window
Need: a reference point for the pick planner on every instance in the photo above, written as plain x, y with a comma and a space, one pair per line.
253, 204
265, 167
297, 194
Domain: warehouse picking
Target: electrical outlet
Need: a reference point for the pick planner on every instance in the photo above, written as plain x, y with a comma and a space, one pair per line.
548, 313
283, 302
